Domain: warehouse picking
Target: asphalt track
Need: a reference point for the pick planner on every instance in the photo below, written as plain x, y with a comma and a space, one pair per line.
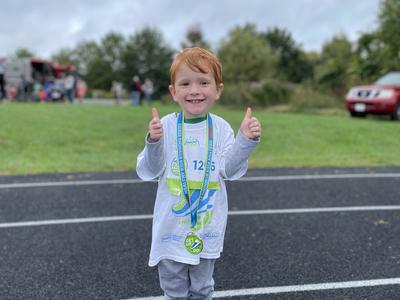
292, 234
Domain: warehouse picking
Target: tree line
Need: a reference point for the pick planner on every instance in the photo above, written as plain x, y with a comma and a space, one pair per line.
260, 68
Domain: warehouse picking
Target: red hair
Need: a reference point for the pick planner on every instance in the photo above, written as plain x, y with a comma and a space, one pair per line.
198, 60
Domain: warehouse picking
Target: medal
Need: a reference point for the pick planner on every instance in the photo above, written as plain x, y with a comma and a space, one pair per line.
193, 243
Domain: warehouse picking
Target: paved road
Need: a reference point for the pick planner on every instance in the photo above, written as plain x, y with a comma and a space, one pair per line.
330, 233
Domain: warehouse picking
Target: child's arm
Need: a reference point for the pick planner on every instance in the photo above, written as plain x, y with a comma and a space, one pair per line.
238, 151
151, 161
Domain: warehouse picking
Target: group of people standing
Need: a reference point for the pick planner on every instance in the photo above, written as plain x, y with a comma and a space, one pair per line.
138, 91
66, 87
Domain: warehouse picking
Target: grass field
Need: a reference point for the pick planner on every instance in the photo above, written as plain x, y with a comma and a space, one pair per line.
45, 138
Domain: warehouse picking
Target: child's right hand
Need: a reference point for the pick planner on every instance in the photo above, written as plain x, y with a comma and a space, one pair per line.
155, 127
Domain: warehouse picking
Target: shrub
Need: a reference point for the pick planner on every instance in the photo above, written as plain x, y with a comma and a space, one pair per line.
272, 92
259, 94
305, 99
237, 95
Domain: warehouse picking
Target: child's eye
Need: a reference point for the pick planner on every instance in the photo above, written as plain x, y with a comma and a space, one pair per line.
204, 83
184, 83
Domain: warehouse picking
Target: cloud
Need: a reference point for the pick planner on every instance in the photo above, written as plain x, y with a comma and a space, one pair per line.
46, 26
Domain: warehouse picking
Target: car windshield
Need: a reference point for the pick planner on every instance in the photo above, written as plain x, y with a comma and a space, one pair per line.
392, 78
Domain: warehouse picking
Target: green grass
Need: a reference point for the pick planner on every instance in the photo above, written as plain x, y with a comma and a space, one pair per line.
42, 138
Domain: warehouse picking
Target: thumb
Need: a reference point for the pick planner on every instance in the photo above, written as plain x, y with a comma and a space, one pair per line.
248, 113
154, 113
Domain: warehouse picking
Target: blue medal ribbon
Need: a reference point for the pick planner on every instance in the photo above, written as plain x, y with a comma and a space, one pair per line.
182, 168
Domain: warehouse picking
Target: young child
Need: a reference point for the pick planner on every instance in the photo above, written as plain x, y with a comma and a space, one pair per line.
192, 153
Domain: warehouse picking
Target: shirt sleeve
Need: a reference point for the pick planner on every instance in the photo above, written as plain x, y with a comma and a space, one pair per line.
151, 161
235, 155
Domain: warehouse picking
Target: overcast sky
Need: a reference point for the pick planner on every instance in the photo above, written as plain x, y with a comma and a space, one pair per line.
45, 26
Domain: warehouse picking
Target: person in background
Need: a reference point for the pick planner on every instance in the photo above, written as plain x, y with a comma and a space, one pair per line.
148, 90
81, 89
136, 90
42, 95
117, 91
48, 87
37, 87
69, 86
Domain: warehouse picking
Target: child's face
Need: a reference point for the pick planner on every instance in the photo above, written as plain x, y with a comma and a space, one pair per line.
195, 92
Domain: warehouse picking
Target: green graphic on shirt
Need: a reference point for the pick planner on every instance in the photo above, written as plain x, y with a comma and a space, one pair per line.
175, 167
192, 142
201, 221
182, 209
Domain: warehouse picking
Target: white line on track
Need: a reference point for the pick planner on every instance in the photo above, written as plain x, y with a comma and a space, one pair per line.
250, 178
69, 183
232, 213
296, 288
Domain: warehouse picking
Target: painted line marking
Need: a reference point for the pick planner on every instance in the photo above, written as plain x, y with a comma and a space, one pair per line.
70, 183
313, 210
232, 213
296, 288
250, 178
74, 221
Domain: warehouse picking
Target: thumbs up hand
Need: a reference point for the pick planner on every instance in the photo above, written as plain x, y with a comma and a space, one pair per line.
250, 126
155, 127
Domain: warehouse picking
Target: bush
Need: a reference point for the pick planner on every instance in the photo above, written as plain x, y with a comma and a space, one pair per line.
258, 94
272, 92
237, 95
305, 99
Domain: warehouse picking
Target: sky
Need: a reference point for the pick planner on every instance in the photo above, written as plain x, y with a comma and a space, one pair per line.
46, 26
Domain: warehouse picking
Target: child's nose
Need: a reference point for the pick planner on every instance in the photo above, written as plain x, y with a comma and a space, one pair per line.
194, 89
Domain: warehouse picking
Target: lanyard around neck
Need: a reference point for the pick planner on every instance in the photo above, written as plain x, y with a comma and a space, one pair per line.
182, 167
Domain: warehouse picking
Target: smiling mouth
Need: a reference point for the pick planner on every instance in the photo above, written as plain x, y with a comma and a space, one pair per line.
195, 100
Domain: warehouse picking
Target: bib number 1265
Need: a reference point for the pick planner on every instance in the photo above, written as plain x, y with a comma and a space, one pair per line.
199, 165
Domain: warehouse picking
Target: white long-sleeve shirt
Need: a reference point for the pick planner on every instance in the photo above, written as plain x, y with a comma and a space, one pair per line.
171, 218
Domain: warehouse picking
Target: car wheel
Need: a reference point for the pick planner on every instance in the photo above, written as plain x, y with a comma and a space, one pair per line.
396, 114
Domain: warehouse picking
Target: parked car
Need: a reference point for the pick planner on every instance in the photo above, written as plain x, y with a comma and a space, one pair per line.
381, 97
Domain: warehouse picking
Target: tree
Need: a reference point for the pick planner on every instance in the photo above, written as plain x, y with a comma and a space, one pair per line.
389, 31
86, 52
112, 45
105, 64
23, 53
88, 57
65, 56
194, 37
147, 55
293, 64
370, 57
245, 56
332, 73
378, 52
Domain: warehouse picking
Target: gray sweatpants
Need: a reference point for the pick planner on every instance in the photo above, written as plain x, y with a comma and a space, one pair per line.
183, 281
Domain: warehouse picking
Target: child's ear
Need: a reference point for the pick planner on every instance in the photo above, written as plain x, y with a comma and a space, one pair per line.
172, 91
220, 88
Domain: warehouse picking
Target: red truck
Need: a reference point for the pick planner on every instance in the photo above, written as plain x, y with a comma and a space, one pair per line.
381, 97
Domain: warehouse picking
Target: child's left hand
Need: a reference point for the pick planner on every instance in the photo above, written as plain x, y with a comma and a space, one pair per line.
250, 126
